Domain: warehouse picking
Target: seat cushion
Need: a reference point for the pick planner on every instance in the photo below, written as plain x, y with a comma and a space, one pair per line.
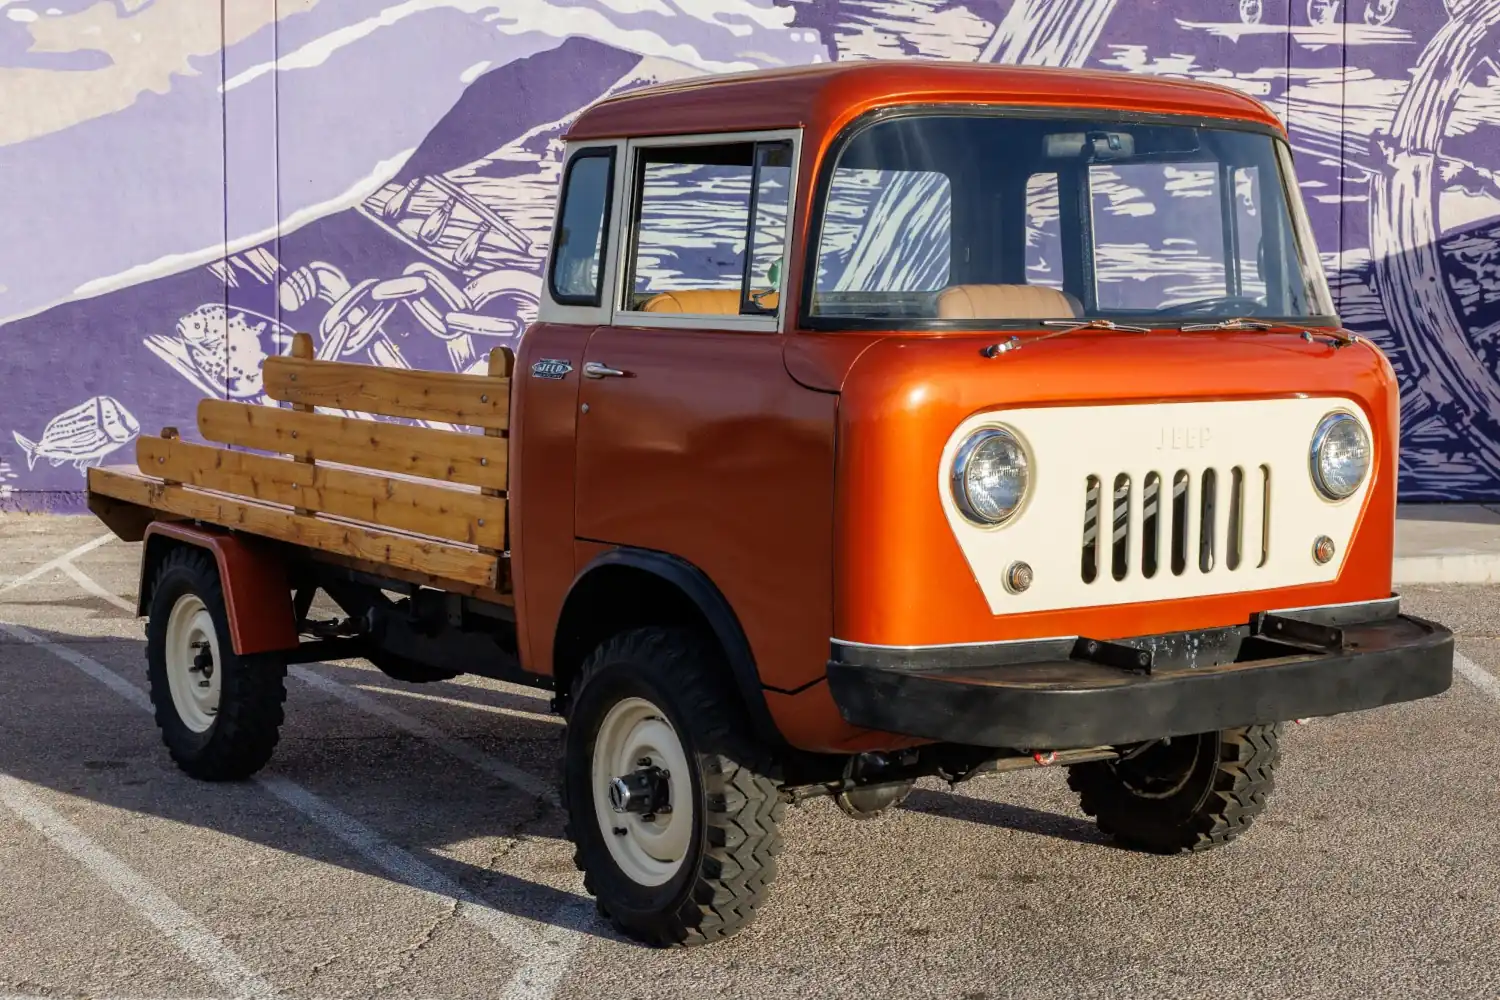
702, 301
1006, 302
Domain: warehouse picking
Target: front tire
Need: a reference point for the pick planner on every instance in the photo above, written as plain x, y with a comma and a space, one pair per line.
1186, 794
690, 858
219, 713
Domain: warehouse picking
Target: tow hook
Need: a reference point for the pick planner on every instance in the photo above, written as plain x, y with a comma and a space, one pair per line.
1045, 759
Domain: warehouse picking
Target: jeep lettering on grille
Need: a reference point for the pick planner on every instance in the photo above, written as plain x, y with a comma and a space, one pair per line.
1184, 438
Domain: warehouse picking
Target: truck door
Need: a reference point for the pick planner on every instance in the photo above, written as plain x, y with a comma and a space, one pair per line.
692, 438
681, 373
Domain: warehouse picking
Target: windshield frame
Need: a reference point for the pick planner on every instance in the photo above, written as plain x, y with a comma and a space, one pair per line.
1296, 210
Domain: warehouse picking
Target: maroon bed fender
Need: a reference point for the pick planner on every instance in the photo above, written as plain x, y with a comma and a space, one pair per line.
256, 592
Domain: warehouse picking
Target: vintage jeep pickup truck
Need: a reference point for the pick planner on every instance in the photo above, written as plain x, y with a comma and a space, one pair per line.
880, 422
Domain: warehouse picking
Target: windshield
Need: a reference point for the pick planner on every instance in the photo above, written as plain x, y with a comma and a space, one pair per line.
942, 219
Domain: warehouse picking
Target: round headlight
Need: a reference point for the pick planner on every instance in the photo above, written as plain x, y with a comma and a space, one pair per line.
1340, 455
990, 476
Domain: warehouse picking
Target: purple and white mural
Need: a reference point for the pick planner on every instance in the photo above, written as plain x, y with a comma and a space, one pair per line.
187, 182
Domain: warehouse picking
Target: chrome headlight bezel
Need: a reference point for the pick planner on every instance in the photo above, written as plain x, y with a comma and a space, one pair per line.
958, 476
1324, 430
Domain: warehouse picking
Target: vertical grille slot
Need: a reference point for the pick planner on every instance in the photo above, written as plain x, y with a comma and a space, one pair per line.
1234, 545
1217, 519
1209, 508
1179, 522
1091, 530
1150, 524
1120, 535
1265, 515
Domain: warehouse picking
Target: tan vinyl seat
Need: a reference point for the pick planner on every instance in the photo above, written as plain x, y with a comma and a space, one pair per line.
1006, 302
703, 302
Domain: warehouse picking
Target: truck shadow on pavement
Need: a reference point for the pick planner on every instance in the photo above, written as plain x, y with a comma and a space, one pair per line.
411, 793
1005, 815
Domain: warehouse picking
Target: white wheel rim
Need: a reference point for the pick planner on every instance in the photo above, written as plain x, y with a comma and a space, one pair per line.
649, 852
190, 631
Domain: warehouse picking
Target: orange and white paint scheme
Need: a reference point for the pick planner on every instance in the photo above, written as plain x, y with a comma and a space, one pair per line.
849, 447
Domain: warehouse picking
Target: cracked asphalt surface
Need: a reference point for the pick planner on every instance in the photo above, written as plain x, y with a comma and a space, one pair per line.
388, 852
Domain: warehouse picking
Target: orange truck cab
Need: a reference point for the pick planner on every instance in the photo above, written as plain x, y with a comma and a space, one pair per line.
881, 421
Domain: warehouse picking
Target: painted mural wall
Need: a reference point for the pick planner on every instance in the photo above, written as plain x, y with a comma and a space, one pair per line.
187, 182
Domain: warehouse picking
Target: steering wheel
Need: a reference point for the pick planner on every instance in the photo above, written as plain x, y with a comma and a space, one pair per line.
1231, 305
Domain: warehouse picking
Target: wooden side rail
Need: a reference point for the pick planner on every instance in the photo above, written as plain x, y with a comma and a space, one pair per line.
423, 509
447, 456
476, 400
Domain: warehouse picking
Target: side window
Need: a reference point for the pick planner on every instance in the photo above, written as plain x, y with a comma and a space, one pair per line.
578, 246
710, 228
1044, 248
1158, 234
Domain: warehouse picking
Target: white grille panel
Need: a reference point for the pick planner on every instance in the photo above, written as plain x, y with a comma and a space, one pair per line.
1157, 502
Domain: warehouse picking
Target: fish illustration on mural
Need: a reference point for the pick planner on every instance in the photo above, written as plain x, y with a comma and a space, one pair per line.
221, 349
82, 434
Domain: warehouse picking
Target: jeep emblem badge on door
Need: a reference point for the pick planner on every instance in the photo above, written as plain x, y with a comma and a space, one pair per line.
550, 368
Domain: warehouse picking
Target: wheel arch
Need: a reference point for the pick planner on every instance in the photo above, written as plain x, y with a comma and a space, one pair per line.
627, 588
257, 592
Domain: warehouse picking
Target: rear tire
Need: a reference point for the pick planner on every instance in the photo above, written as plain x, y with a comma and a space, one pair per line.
696, 871
1187, 794
219, 713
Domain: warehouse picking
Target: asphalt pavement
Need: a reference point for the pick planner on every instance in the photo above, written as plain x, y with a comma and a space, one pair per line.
405, 842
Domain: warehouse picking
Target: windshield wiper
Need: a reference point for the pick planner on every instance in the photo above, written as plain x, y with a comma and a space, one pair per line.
1238, 323
1338, 338
1092, 324
1068, 326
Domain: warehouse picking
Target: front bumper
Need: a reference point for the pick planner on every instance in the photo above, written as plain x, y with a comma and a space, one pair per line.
1074, 692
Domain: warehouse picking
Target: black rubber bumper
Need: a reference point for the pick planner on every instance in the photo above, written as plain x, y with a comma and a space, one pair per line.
1071, 693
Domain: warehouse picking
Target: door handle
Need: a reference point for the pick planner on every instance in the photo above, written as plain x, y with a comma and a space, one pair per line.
594, 369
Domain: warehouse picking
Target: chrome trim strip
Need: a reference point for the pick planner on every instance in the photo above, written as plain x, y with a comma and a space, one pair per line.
954, 645
1393, 600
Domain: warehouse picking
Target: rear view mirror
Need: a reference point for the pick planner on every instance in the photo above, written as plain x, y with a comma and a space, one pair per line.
1090, 145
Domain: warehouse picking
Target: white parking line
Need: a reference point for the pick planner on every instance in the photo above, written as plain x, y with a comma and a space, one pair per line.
93, 668
473, 706
52, 564
1477, 675
547, 949
195, 940
454, 748
85, 581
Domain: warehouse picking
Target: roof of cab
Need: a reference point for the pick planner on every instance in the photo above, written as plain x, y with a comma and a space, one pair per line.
828, 95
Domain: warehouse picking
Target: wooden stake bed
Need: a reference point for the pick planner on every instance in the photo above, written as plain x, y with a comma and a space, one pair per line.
439, 517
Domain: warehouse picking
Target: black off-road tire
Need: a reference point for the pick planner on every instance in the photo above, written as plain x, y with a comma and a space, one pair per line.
1203, 793
246, 728
725, 876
